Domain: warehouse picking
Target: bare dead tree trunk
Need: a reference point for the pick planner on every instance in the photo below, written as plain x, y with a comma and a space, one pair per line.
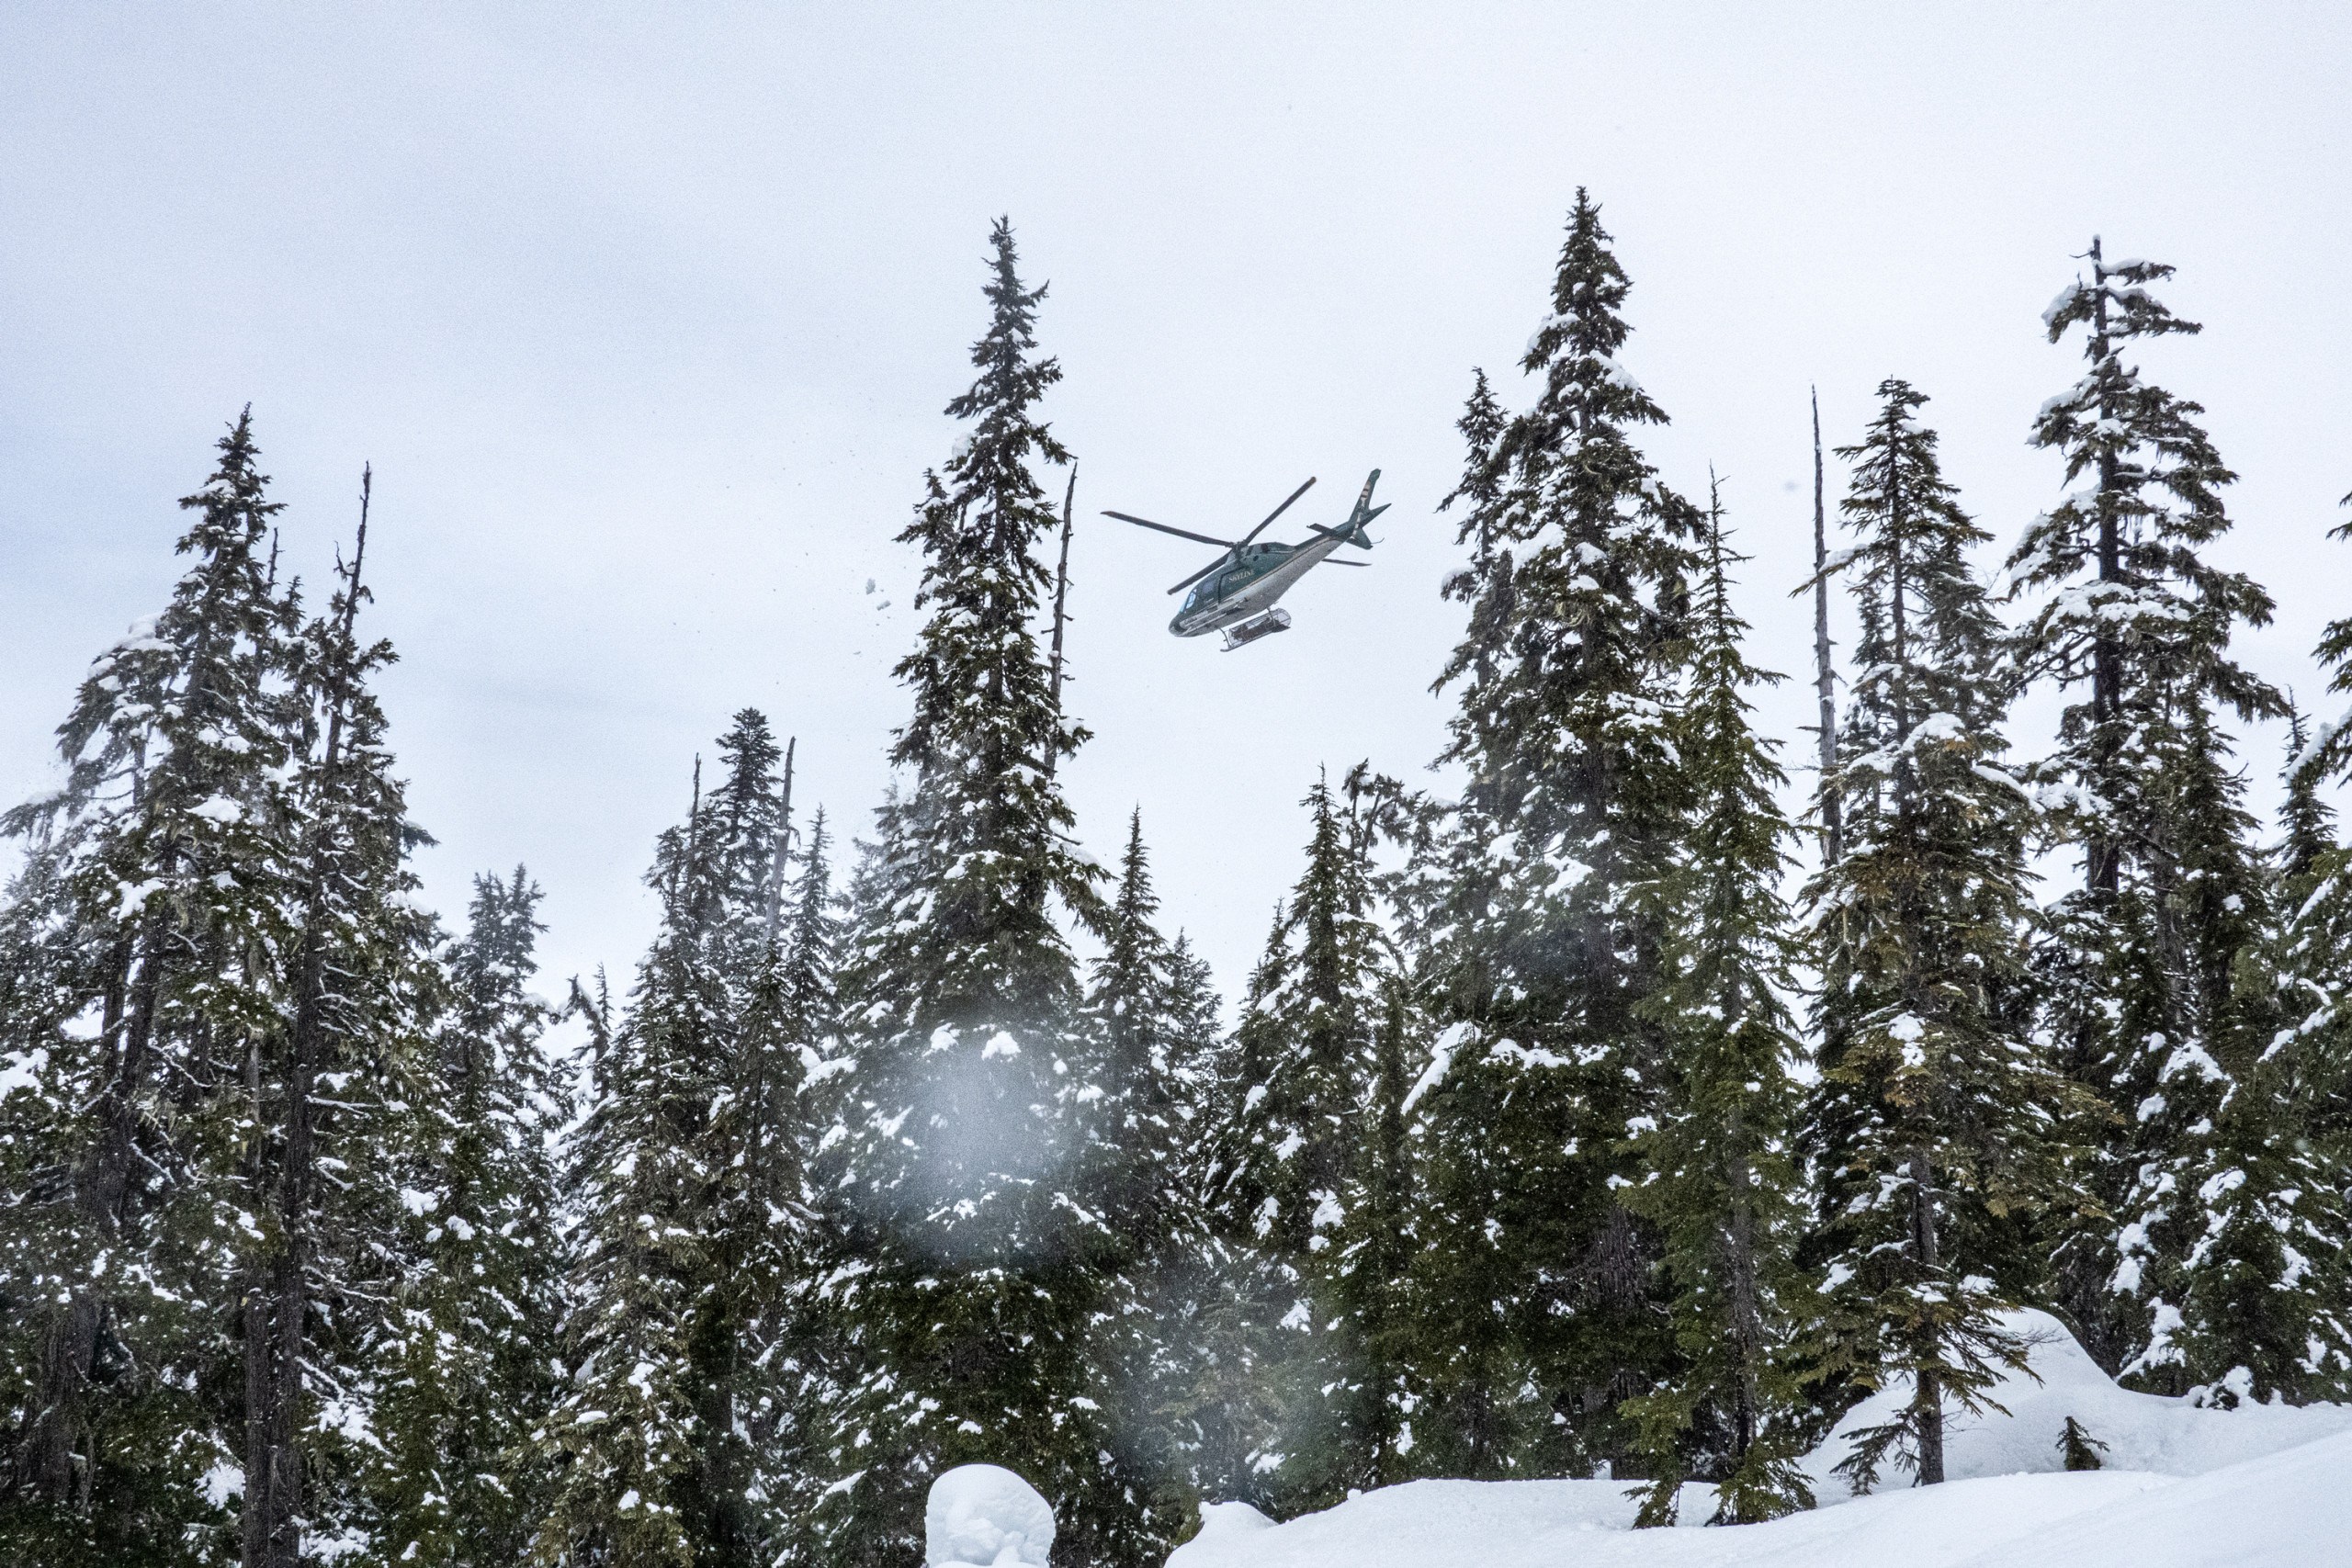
1062, 599
783, 846
2104, 860
1825, 678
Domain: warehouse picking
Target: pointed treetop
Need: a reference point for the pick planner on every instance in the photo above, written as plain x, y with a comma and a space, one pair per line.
2114, 302
1577, 345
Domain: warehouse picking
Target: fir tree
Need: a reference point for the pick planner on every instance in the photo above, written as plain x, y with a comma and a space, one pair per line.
968, 1267
769, 1355
1209, 1396
1718, 1179
1306, 1058
1935, 1121
1129, 1089
2133, 621
1554, 870
2316, 901
467, 1378
1143, 1013
623, 1436
2260, 1302
138, 933
312, 1098
688, 1174
748, 1207
1199, 1060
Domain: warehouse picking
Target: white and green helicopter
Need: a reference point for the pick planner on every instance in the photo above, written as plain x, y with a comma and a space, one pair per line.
1236, 593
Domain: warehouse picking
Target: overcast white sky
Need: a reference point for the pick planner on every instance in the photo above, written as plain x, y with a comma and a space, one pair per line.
645, 316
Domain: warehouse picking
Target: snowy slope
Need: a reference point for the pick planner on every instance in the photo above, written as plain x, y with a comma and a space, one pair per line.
2185, 1487
2141, 1432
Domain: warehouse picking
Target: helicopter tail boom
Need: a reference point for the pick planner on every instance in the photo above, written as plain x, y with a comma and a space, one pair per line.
1353, 532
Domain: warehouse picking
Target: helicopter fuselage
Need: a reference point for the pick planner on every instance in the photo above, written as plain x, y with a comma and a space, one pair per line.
1249, 585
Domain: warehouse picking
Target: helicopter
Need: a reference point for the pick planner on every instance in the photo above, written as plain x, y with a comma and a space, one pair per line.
1236, 593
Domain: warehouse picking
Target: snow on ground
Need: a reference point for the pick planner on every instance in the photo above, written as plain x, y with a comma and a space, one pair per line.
2184, 1486
2141, 1432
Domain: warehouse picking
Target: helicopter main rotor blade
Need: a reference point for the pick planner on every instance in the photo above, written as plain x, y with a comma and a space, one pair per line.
1180, 533
1334, 560
1202, 572
1278, 511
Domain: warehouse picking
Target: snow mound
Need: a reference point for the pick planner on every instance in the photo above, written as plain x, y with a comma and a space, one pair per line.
2141, 1432
2291, 1508
2286, 1510
2184, 1486
983, 1516
1589, 1524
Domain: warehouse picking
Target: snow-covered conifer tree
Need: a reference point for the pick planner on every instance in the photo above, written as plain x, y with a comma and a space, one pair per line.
2259, 1303
623, 1436
1306, 1061
1935, 1121
311, 1098
138, 938
687, 1174
467, 1373
1379, 1242
1554, 867
1130, 1096
2140, 966
766, 1129
968, 1264
1143, 1017
1718, 1178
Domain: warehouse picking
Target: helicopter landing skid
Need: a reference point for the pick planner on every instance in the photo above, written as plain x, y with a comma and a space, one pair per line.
1247, 632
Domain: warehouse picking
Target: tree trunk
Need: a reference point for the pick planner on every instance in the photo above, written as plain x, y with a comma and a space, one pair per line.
783, 845
52, 1462
2103, 855
1062, 599
1928, 1405
1824, 677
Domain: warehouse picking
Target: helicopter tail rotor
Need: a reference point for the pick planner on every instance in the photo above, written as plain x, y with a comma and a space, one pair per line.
1365, 513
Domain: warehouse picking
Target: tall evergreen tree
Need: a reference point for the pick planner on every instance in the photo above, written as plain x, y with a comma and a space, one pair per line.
2140, 965
969, 1267
138, 936
1210, 1395
312, 1098
1718, 1177
1128, 1085
748, 1205
1307, 1045
466, 1379
1132, 1093
1554, 870
1934, 1120
766, 1129
625, 1437
2261, 1304
687, 1171
2316, 888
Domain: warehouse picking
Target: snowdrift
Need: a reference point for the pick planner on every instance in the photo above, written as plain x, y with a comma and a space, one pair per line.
2183, 1486
2141, 1432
